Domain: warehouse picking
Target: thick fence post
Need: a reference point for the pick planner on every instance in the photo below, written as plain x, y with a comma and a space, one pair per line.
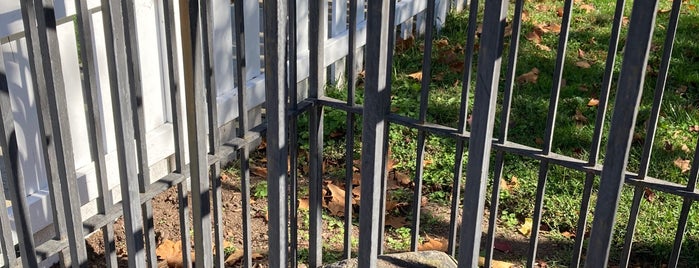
488, 75
275, 86
631, 78
377, 100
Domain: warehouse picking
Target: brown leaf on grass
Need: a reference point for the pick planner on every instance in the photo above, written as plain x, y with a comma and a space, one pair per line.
416, 75
682, 164
694, 128
542, 264
457, 67
554, 28
303, 204
395, 222
495, 263
588, 8
559, 12
533, 36
508, 30
624, 21
593, 102
583, 88
258, 171
648, 194
663, 11
579, 118
442, 43
335, 202
568, 235
404, 44
686, 149
543, 47
234, 258
581, 53
529, 77
525, 16
403, 179
171, 253
542, 7
504, 186
583, 64
433, 244
681, 90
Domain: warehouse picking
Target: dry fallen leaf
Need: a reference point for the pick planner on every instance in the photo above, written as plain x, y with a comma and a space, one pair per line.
171, 253
433, 244
587, 7
335, 203
543, 47
534, 37
581, 53
526, 228
395, 222
559, 12
234, 258
303, 204
495, 263
416, 75
583, 88
529, 77
402, 178
593, 102
567, 234
648, 194
554, 28
682, 164
694, 128
258, 171
583, 64
681, 90
686, 149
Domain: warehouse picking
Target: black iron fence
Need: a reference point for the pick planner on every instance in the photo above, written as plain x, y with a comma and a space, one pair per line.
283, 108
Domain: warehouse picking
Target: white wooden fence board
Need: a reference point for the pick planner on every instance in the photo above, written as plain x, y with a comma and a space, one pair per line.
223, 46
252, 40
24, 112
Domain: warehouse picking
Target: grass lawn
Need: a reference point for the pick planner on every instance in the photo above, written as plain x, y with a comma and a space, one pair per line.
674, 142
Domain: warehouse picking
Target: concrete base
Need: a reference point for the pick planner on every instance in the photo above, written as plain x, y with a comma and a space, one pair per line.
422, 259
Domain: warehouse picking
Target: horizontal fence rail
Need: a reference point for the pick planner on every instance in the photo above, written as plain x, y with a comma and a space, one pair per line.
110, 94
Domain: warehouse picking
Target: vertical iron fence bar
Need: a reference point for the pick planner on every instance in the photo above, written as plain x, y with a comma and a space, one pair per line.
550, 129
292, 55
318, 23
650, 132
424, 98
177, 126
45, 130
463, 123
504, 127
488, 75
376, 107
15, 184
195, 102
275, 95
598, 132
52, 91
387, 129
95, 126
349, 133
139, 126
120, 80
214, 141
243, 126
686, 206
628, 97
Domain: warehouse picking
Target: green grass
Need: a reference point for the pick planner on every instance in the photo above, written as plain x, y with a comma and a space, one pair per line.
590, 33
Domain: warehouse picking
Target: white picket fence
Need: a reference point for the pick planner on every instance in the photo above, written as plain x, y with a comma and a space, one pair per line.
409, 15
